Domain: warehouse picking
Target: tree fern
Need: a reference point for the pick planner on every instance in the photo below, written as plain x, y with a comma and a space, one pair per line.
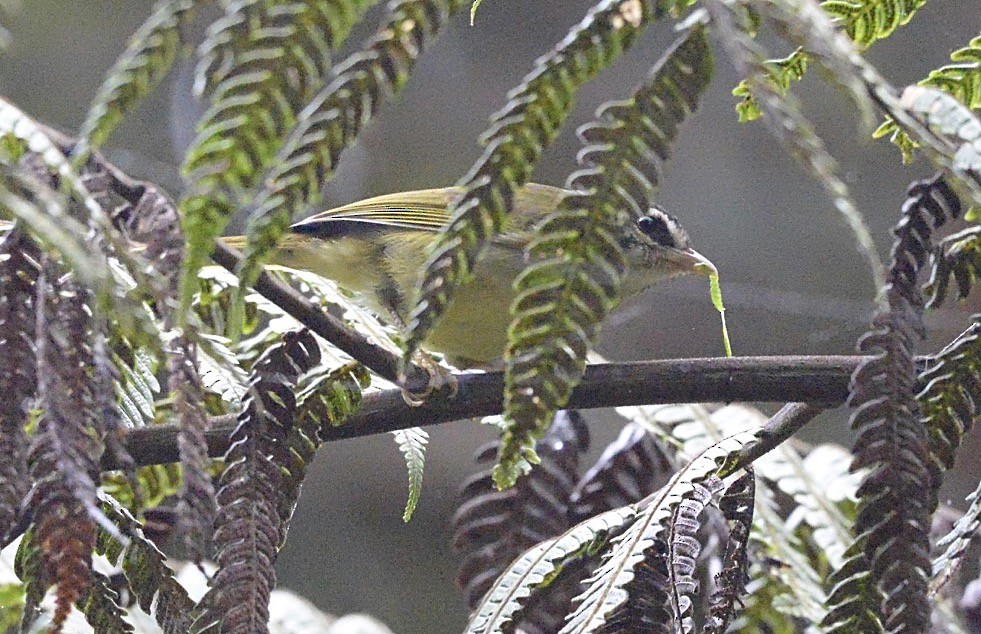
608, 591
259, 64
898, 493
18, 380
331, 121
249, 528
577, 262
865, 22
961, 79
518, 134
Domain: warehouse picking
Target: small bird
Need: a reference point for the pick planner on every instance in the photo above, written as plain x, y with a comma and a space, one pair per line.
377, 248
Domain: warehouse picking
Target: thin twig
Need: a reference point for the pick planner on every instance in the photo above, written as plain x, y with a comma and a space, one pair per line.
822, 380
781, 426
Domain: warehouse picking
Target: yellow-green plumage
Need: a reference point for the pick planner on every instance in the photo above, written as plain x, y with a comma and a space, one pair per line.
377, 248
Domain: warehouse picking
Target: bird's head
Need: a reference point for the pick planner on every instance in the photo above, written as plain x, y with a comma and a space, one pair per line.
657, 247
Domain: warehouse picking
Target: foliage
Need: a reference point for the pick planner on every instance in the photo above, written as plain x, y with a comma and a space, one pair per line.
104, 299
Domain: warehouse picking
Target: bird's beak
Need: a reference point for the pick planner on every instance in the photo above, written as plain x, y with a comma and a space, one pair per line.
691, 261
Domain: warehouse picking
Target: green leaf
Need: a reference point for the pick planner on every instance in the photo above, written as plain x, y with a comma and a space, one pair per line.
412, 443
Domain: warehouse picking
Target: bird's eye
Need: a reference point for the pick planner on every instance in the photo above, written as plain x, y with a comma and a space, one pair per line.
656, 228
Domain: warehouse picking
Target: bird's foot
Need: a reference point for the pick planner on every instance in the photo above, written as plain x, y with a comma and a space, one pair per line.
440, 377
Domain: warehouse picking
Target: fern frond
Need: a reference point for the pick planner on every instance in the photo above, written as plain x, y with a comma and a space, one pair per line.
196, 500
30, 568
323, 399
68, 444
821, 485
956, 543
18, 377
736, 505
540, 566
412, 445
784, 586
154, 484
630, 468
136, 387
962, 80
149, 579
948, 399
518, 134
780, 72
684, 548
855, 598
867, 21
577, 263
956, 131
897, 495
259, 64
608, 591
334, 118
492, 528
147, 59
957, 257
783, 114
248, 525
101, 608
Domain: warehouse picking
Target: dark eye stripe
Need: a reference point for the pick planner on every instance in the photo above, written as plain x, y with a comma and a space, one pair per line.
656, 228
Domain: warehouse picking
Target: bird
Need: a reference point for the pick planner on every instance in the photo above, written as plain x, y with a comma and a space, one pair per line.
377, 248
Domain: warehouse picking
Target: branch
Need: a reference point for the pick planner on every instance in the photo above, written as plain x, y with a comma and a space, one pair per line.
820, 380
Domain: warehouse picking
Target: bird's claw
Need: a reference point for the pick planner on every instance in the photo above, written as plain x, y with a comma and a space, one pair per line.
439, 377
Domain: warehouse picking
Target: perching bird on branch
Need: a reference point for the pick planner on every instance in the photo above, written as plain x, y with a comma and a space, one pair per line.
376, 249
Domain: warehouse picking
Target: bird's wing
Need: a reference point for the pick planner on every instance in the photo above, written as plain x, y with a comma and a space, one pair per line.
423, 210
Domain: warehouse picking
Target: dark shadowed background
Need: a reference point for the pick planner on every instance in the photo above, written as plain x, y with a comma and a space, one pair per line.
792, 279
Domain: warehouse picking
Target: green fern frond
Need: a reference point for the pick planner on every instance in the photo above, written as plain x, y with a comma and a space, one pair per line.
324, 399
607, 592
948, 400
781, 72
147, 59
867, 21
539, 566
962, 80
11, 594
148, 577
259, 64
854, 599
578, 265
156, 483
515, 141
334, 118
101, 608
954, 131
412, 444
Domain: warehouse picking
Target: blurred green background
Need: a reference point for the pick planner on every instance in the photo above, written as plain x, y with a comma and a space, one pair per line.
792, 279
